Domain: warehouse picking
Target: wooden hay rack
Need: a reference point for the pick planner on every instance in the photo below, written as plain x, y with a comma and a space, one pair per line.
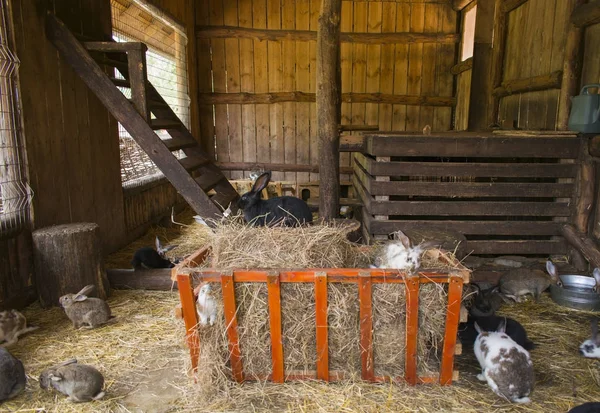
186, 276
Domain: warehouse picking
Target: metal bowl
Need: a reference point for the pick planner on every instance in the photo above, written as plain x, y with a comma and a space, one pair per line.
577, 292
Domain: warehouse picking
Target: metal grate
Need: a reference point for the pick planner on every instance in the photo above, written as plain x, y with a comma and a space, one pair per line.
134, 20
15, 193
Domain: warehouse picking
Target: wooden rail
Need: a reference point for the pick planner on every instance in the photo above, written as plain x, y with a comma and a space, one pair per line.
530, 84
462, 66
320, 278
213, 32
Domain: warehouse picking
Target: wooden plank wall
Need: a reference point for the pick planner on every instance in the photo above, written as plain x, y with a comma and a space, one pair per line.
591, 60
536, 36
71, 141
286, 132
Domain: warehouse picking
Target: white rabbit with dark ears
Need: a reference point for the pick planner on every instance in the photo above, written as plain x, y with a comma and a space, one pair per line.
283, 210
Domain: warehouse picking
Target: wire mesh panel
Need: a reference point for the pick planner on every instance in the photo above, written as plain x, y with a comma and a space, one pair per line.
15, 194
135, 21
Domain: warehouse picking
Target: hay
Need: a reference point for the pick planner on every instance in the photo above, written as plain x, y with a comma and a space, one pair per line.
146, 344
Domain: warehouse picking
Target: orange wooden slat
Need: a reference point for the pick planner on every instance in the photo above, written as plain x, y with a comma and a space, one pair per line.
366, 326
321, 321
452, 318
190, 317
229, 308
412, 329
273, 287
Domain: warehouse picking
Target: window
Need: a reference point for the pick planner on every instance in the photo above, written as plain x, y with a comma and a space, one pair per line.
468, 32
15, 194
135, 21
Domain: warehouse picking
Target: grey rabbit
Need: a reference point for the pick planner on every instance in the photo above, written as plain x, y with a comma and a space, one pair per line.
148, 257
12, 375
520, 282
487, 302
514, 329
85, 311
12, 325
284, 210
82, 383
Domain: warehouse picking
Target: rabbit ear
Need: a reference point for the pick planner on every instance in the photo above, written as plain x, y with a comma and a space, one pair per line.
261, 182
477, 328
67, 362
55, 377
80, 297
502, 326
157, 244
169, 248
597, 275
86, 290
401, 236
551, 268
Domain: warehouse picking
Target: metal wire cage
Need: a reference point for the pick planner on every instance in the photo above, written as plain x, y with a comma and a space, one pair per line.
136, 21
15, 193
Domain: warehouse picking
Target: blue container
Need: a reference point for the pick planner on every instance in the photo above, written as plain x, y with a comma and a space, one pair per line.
585, 111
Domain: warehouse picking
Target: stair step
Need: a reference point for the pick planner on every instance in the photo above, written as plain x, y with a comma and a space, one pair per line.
209, 180
153, 103
193, 162
120, 82
114, 47
157, 124
223, 199
174, 144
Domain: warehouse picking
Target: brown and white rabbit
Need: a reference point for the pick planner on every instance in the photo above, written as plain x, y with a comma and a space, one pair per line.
505, 365
82, 383
206, 305
12, 375
85, 311
283, 210
12, 325
591, 347
520, 282
401, 254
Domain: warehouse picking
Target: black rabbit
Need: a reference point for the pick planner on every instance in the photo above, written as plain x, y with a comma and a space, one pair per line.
12, 375
148, 257
284, 210
590, 407
468, 334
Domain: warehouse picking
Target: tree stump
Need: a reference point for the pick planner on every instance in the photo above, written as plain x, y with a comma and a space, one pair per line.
67, 258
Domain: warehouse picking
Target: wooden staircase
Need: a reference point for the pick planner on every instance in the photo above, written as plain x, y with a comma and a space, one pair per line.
194, 175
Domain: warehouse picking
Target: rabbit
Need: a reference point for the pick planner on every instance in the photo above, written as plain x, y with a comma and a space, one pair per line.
400, 253
505, 365
285, 210
83, 310
589, 407
12, 375
12, 325
148, 257
596, 275
487, 302
468, 334
207, 306
591, 347
80, 382
520, 282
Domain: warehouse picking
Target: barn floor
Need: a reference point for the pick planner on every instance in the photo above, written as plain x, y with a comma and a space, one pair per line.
144, 360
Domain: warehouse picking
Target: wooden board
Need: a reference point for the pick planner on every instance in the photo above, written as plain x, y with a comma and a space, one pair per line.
249, 149
302, 85
288, 51
275, 79
415, 67
261, 82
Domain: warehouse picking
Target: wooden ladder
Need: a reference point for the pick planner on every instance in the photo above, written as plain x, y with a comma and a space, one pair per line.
194, 175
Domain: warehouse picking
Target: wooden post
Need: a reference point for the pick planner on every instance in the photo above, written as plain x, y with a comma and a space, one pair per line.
67, 258
584, 244
328, 103
572, 65
481, 82
498, 47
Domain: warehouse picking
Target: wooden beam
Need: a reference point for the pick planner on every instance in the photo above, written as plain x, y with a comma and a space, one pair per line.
462, 66
481, 80
212, 32
352, 143
510, 5
498, 49
530, 84
329, 90
584, 244
585, 200
280, 167
279, 97
594, 146
458, 5
585, 14
128, 279
572, 67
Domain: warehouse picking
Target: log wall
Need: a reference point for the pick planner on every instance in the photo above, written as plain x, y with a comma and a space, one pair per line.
273, 43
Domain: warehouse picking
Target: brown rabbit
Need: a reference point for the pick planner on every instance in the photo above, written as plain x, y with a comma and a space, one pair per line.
520, 282
85, 311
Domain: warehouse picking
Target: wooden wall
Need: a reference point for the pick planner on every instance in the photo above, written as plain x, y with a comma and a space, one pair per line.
536, 36
285, 132
591, 59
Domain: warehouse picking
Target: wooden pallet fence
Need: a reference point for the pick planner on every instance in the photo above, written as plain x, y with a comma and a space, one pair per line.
321, 278
507, 194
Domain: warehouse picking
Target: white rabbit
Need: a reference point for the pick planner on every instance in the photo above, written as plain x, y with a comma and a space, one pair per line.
505, 365
400, 253
591, 347
206, 304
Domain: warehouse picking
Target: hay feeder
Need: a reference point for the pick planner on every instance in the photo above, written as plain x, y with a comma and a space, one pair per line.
187, 275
